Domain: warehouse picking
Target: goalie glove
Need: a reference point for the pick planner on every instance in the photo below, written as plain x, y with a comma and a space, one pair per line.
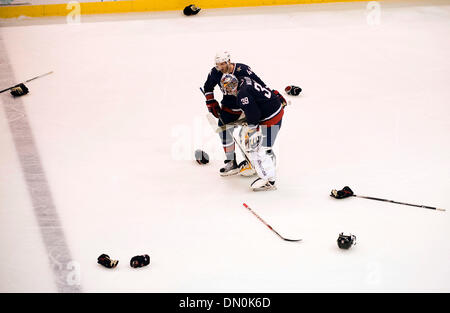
340, 194
19, 90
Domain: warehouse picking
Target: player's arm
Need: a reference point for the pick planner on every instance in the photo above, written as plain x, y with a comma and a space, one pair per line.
274, 91
211, 81
252, 75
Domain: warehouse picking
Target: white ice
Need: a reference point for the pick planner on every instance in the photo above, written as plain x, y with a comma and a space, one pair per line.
118, 121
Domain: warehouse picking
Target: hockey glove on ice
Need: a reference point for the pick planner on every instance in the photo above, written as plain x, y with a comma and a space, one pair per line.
293, 90
106, 261
340, 194
19, 90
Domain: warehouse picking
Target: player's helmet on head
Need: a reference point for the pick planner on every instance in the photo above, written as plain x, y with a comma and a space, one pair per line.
229, 84
222, 56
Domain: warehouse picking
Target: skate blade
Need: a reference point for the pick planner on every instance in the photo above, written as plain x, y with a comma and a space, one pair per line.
230, 173
265, 188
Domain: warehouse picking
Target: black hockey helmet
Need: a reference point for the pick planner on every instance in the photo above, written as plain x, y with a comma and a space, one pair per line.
346, 241
201, 157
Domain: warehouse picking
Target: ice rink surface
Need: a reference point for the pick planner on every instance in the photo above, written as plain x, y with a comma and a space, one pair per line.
117, 123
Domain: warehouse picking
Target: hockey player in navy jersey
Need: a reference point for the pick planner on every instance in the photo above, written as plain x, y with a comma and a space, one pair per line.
230, 111
264, 112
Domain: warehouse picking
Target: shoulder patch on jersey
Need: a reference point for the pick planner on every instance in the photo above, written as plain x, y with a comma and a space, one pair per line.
248, 80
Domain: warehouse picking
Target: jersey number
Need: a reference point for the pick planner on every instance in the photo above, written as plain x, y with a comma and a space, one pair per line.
267, 92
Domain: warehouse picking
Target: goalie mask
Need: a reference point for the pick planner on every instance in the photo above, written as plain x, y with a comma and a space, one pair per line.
229, 84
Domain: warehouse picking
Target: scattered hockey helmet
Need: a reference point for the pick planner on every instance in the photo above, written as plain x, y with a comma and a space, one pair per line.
346, 241
201, 157
229, 84
222, 56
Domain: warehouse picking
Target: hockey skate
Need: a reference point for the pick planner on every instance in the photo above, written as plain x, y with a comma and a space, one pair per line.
263, 185
230, 168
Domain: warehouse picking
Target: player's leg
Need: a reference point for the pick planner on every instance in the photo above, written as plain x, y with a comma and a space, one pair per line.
228, 116
264, 159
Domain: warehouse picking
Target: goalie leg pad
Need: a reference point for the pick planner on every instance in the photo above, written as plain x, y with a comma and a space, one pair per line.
264, 164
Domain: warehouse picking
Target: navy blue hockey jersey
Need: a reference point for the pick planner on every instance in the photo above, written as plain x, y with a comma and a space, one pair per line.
260, 104
240, 70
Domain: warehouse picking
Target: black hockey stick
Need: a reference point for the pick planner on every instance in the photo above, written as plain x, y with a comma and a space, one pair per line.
347, 192
392, 201
39, 76
270, 227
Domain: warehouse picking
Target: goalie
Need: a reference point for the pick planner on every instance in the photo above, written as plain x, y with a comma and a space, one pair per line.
230, 111
264, 112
